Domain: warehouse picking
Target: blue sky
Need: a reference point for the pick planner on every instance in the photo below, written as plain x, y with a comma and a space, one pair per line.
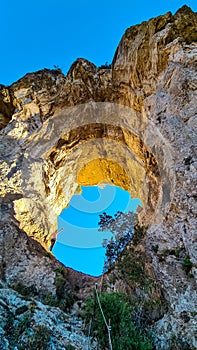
80, 244
80, 219
40, 34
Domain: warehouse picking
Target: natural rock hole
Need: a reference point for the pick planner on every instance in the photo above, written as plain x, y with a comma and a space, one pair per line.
80, 245
59, 132
78, 151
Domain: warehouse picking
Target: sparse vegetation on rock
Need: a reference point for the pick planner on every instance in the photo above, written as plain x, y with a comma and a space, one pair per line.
124, 333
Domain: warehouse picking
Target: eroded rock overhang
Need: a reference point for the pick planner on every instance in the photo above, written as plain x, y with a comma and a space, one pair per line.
123, 146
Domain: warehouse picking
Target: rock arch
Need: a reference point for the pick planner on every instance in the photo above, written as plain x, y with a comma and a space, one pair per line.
58, 153
141, 115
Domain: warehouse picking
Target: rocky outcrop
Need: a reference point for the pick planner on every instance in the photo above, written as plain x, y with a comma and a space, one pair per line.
135, 122
33, 325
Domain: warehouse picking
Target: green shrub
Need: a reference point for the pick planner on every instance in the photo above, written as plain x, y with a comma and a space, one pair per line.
187, 264
131, 269
40, 339
176, 343
60, 286
60, 281
70, 347
155, 248
64, 297
61, 270
15, 328
27, 292
48, 255
69, 300
124, 334
178, 251
50, 300
139, 233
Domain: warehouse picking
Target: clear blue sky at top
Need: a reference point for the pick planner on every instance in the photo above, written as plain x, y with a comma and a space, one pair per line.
41, 34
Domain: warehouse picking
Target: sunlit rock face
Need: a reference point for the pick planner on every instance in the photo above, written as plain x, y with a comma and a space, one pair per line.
133, 126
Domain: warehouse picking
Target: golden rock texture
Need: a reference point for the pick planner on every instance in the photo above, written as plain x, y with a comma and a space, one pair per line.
106, 170
133, 125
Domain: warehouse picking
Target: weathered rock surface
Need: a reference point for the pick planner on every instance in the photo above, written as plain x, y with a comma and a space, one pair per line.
31, 324
137, 123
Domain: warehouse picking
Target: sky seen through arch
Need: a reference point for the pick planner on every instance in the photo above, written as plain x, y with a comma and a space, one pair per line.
79, 246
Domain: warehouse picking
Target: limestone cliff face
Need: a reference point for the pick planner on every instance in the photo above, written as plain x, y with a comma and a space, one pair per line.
137, 124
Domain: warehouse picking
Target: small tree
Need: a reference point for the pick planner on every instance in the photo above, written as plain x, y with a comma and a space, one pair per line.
122, 228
